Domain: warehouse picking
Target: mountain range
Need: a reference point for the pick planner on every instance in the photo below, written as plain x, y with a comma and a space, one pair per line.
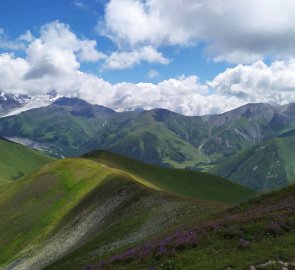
236, 144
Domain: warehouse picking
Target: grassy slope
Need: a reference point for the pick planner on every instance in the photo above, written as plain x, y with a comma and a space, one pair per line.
32, 207
157, 139
252, 234
266, 166
45, 204
17, 160
287, 155
63, 135
181, 182
80, 203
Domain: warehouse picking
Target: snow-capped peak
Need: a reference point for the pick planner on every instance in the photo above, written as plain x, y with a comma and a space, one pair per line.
16, 104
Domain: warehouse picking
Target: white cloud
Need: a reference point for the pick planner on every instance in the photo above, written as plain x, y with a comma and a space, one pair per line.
53, 59
58, 51
88, 53
234, 30
122, 60
184, 95
12, 70
259, 82
59, 35
26, 37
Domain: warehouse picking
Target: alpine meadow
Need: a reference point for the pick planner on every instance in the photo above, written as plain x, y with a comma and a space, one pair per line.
147, 135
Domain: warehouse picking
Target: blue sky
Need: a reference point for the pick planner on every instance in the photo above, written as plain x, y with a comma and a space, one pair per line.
82, 16
18, 16
193, 57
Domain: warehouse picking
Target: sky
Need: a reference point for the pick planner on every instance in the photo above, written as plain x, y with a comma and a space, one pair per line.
193, 57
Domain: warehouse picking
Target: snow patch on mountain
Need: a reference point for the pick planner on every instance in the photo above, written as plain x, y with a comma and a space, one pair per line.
136, 109
22, 103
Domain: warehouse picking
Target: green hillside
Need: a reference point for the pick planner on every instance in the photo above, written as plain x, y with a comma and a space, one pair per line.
266, 166
180, 182
17, 160
71, 127
82, 208
258, 235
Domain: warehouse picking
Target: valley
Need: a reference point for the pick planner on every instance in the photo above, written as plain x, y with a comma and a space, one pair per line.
219, 144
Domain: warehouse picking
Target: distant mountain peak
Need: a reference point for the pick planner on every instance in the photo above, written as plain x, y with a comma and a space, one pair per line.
80, 107
70, 101
13, 104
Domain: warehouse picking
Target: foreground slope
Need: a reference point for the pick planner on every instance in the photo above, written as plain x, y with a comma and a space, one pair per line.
74, 209
17, 160
256, 235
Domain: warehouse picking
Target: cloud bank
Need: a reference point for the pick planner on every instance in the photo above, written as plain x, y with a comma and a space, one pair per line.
233, 31
53, 61
237, 31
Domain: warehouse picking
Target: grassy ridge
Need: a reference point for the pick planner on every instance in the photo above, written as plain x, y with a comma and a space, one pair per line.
17, 160
79, 203
181, 182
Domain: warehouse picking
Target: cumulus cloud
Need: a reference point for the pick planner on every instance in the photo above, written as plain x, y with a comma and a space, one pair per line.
12, 70
234, 30
122, 60
58, 52
184, 95
53, 59
258, 82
